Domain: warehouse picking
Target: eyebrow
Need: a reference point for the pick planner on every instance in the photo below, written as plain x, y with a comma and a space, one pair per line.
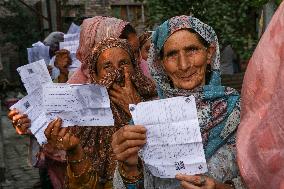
171, 52
186, 48
124, 60
191, 46
106, 62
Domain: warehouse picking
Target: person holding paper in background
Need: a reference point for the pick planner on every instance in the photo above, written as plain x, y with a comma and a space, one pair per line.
94, 30
21, 123
62, 62
53, 40
184, 60
89, 155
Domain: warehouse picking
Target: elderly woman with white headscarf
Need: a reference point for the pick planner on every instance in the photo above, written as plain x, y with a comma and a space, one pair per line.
184, 60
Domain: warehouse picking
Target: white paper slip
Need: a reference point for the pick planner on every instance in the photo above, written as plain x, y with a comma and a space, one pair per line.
85, 117
34, 75
40, 136
73, 29
75, 62
83, 105
39, 123
58, 97
30, 105
38, 52
39, 43
174, 143
71, 46
67, 44
72, 37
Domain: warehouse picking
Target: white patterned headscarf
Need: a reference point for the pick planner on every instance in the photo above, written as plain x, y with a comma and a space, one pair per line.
163, 32
208, 95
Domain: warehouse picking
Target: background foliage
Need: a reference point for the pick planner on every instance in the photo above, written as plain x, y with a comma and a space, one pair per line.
233, 20
20, 28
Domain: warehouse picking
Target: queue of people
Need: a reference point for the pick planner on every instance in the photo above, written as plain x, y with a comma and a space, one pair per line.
180, 58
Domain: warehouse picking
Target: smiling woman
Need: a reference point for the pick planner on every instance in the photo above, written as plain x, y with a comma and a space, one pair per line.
185, 59
182, 49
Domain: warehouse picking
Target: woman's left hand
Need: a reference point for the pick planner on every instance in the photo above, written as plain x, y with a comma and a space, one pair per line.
123, 96
200, 182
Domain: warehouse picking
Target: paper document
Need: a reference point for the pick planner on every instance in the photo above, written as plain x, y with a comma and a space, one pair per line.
34, 75
83, 105
75, 62
37, 53
73, 29
42, 123
72, 37
71, 46
32, 106
174, 143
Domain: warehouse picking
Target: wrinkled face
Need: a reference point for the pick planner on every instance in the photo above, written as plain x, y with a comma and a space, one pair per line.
112, 59
145, 49
133, 40
185, 59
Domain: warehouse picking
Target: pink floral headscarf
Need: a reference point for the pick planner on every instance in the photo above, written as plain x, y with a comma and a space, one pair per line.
94, 30
260, 139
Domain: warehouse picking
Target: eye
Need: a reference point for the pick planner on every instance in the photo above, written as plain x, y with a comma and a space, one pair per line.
171, 54
122, 63
192, 49
106, 65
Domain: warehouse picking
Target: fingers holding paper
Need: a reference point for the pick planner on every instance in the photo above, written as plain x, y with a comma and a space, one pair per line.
200, 182
59, 137
20, 121
126, 143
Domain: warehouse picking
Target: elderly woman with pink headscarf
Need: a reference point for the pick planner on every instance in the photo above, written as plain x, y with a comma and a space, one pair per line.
111, 62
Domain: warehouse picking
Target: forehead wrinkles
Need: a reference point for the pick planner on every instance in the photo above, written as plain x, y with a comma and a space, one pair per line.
113, 54
181, 39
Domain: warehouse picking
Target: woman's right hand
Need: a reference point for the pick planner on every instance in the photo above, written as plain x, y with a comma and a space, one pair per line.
59, 137
20, 122
126, 143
